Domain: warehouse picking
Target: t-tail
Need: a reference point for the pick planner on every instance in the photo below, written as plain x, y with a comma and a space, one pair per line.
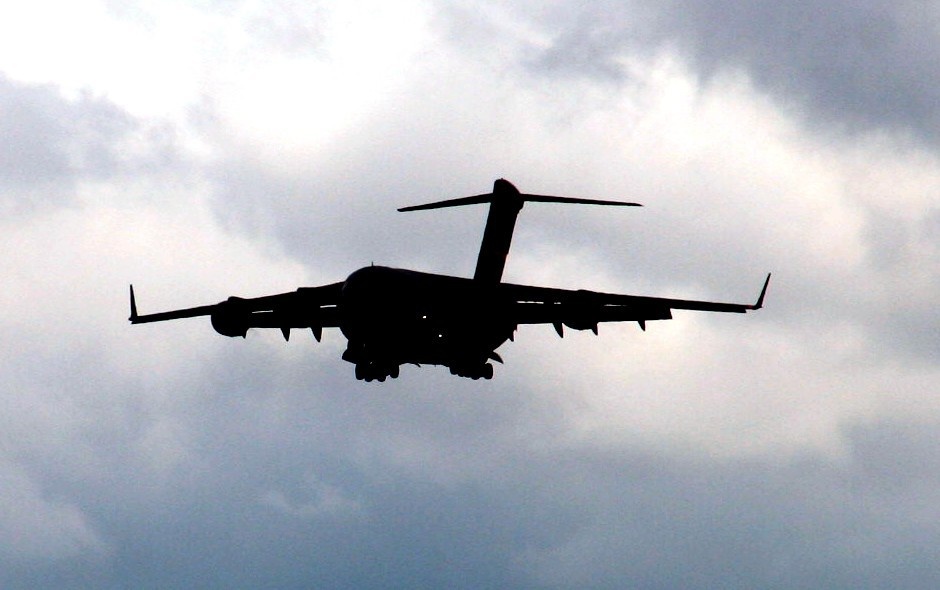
505, 204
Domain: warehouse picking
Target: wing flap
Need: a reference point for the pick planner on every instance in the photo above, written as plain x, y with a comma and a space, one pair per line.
585, 317
584, 309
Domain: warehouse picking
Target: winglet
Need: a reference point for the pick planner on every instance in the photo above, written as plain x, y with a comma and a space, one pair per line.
133, 317
760, 300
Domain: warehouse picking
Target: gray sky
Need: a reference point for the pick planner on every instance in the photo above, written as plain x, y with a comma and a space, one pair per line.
208, 149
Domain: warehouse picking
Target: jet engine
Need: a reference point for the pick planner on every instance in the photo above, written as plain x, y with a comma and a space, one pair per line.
230, 318
581, 315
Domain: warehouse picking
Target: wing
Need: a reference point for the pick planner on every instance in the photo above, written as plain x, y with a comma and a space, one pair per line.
583, 310
308, 307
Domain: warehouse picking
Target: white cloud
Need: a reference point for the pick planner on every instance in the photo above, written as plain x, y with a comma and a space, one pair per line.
253, 147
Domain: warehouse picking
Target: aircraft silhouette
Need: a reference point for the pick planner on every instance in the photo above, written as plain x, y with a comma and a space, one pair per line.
393, 316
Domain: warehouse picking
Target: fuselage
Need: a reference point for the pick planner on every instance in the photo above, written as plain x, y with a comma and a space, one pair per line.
394, 316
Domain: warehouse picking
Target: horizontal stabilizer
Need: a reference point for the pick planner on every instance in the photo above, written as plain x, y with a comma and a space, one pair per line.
575, 200
474, 200
504, 190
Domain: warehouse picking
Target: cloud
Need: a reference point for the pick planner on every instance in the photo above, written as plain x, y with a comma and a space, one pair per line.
851, 67
50, 144
254, 147
752, 523
35, 529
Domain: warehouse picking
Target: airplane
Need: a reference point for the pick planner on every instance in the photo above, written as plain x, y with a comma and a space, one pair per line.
394, 316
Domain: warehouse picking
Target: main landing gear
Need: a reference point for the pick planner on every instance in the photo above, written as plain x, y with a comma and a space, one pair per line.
484, 371
368, 371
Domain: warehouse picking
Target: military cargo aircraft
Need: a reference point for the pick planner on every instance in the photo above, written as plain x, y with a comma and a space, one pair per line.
393, 316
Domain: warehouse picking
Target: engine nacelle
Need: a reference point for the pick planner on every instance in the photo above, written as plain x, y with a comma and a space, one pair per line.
581, 316
230, 319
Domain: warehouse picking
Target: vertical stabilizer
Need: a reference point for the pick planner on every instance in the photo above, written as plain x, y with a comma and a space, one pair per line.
497, 236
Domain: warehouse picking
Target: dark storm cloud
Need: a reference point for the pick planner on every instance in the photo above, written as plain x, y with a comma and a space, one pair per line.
853, 66
446, 488
748, 524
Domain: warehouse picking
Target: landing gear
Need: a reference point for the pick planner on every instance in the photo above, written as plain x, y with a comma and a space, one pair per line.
366, 368
369, 371
484, 371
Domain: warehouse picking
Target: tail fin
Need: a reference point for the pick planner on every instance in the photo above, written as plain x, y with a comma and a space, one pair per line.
505, 204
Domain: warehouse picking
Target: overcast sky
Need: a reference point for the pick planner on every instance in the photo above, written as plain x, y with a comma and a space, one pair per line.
204, 149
